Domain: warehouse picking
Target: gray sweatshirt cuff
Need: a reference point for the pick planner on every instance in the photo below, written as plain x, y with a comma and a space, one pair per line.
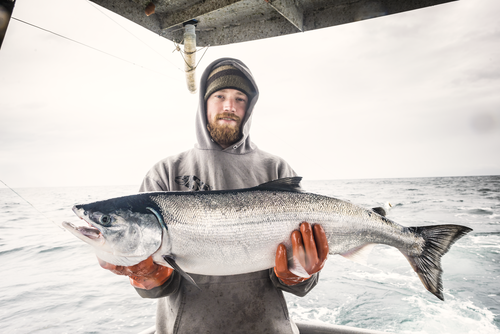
300, 289
167, 288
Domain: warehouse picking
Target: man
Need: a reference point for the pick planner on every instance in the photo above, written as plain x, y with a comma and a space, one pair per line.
226, 158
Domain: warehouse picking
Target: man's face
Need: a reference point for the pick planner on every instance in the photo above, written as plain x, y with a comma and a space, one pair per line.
225, 111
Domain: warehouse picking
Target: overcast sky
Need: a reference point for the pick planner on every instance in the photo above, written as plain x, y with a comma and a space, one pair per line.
415, 94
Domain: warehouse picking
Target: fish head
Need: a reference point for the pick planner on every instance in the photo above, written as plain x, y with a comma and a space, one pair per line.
122, 231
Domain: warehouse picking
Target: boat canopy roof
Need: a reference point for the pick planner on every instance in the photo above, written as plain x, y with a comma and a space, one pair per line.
221, 22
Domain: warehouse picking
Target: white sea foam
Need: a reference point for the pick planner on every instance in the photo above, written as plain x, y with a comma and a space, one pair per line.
450, 317
309, 313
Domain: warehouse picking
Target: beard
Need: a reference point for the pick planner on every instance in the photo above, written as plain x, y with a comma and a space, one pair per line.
224, 134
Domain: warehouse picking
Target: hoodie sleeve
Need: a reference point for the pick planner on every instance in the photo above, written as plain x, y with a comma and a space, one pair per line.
151, 184
300, 289
157, 178
169, 287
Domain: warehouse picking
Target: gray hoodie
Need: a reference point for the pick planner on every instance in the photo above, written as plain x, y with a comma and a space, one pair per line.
248, 303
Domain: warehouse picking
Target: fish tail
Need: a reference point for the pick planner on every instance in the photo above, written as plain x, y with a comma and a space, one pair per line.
438, 240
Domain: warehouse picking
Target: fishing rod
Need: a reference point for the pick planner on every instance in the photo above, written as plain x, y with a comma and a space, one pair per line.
24, 199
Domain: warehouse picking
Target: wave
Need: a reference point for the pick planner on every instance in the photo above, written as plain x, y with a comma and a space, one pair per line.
12, 250
486, 190
481, 211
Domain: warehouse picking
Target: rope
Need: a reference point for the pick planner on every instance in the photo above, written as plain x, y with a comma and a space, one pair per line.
44, 216
178, 48
90, 47
161, 55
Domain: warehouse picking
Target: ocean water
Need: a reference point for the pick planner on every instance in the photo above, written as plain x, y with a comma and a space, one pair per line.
51, 283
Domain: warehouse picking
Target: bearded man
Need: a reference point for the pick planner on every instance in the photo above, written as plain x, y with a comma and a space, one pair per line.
225, 158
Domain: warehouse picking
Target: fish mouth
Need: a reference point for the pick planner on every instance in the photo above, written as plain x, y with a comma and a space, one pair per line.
88, 234
91, 231
86, 231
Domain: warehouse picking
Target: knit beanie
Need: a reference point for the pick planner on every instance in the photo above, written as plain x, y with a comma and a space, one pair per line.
228, 76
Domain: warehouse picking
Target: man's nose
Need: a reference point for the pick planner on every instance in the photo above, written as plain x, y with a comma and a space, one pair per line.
229, 105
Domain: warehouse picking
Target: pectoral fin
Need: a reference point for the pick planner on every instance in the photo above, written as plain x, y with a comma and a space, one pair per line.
181, 272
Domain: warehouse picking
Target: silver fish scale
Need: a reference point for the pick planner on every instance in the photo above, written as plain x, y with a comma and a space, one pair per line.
232, 233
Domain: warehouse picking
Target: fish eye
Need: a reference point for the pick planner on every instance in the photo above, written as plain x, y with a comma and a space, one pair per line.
105, 219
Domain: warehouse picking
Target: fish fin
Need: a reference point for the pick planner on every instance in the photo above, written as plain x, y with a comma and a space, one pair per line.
174, 265
380, 210
438, 240
359, 254
295, 267
285, 184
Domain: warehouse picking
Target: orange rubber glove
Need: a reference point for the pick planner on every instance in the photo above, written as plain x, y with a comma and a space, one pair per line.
310, 247
144, 275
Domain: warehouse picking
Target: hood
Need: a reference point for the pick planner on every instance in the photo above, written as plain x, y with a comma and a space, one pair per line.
205, 141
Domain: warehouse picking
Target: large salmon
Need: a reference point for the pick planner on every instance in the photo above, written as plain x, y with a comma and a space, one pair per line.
238, 231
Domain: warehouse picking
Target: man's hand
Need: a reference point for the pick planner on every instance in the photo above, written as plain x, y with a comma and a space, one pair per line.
310, 248
144, 275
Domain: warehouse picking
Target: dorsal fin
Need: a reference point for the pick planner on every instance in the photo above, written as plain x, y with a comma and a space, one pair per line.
380, 210
285, 184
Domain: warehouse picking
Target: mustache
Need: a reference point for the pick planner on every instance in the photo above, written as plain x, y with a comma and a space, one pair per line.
227, 115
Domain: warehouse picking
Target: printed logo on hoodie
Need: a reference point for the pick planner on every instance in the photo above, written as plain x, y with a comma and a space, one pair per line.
192, 182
